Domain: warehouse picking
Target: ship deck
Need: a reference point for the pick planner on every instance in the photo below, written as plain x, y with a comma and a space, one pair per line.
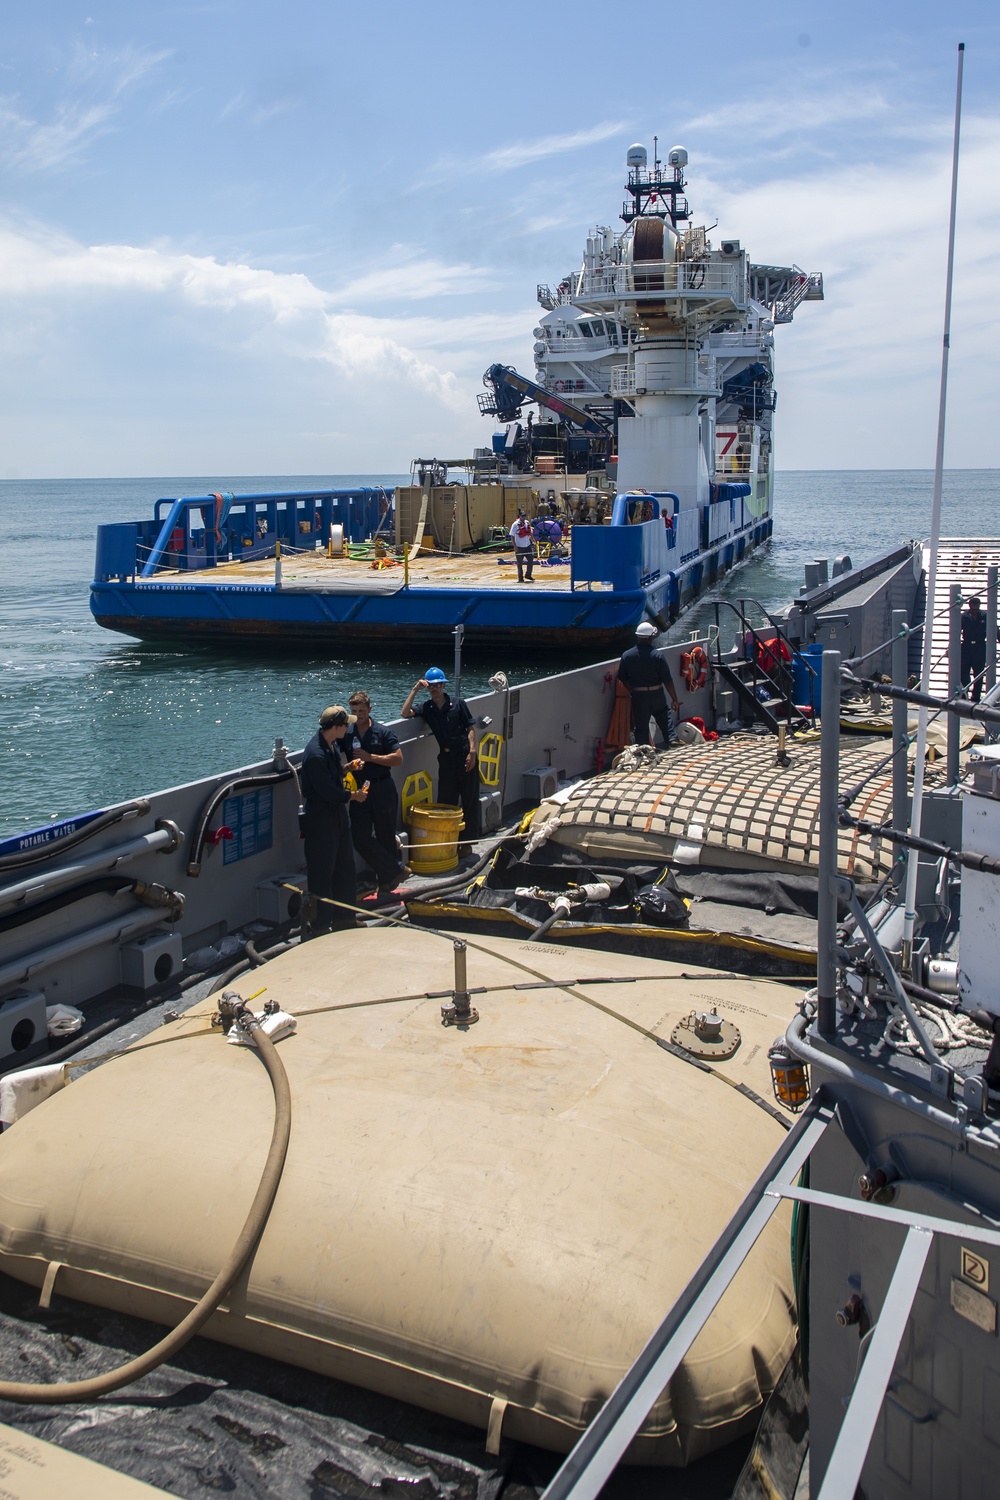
314, 570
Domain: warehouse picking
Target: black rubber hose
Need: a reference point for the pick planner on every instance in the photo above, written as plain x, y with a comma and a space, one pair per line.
452, 882
70, 840
248, 963
241, 784
109, 883
230, 974
543, 927
84, 1039
930, 997
388, 916
64, 1393
984, 864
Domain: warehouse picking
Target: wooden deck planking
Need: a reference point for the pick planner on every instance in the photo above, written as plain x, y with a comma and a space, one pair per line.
341, 574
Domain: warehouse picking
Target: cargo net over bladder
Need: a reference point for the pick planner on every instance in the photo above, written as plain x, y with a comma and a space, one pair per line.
731, 804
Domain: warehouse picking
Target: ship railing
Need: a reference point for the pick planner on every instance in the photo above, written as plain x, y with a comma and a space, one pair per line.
195, 532
573, 345
916, 1237
622, 378
598, 1452
807, 287
726, 465
755, 338
657, 279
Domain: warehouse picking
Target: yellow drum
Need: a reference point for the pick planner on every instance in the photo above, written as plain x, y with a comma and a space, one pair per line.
434, 830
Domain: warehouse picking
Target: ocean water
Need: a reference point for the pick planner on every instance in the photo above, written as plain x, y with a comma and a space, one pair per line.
88, 717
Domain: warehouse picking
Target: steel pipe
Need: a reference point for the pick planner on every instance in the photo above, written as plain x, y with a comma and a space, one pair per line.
165, 839
829, 820
17, 970
991, 630
900, 736
954, 677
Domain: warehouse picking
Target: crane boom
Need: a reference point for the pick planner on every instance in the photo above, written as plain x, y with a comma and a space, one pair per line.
509, 390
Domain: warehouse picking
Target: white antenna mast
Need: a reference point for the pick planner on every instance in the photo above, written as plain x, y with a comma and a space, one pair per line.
909, 916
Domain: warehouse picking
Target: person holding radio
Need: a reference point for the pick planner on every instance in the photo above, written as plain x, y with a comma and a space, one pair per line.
330, 868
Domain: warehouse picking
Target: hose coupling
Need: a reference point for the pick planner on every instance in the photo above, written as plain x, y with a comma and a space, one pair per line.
232, 1008
152, 893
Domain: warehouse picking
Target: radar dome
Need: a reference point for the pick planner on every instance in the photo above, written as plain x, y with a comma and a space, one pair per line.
678, 157
635, 156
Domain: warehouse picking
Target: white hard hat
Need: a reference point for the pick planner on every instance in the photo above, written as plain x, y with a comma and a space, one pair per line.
646, 630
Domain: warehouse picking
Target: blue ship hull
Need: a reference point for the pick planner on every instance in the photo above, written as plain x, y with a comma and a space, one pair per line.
203, 612
649, 563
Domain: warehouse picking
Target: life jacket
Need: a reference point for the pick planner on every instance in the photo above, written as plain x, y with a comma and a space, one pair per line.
770, 652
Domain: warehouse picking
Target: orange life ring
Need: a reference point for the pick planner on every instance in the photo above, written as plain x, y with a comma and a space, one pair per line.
694, 668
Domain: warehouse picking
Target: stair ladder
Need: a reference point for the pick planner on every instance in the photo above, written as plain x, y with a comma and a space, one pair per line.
761, 677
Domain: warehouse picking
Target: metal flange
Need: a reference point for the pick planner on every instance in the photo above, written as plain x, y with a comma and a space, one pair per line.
705, 1034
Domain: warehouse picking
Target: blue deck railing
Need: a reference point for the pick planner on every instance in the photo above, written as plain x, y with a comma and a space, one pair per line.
199, 531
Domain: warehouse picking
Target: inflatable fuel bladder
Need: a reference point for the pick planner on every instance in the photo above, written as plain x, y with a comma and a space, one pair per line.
486, 1220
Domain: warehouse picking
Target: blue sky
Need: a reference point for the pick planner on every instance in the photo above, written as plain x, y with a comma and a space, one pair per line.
244, 237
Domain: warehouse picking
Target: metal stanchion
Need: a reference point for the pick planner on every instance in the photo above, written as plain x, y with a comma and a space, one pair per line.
991, 629
829, 799
459, 634
954, 677
900, 737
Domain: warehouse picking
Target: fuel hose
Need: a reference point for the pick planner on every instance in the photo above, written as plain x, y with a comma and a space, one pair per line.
64, 1393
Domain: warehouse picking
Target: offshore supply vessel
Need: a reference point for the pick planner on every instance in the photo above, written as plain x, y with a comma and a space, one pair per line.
651, 454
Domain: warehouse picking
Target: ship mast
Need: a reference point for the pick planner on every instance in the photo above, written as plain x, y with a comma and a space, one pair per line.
910, 909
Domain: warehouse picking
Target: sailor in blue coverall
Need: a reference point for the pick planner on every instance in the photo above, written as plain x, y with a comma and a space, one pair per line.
330, 868
648, 680
372, 750
451, 722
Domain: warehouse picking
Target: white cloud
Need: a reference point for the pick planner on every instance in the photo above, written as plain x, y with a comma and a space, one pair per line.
413, 279
27, 145
860, 371
387, 361
520, 153
267, 311
792, 114
98, 80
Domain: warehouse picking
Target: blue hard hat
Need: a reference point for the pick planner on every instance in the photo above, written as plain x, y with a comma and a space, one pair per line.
434, 674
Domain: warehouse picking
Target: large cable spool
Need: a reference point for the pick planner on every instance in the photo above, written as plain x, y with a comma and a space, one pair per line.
647, 246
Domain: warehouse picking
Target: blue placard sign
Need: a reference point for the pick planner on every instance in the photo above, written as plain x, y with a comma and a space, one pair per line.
249, 816
51, 836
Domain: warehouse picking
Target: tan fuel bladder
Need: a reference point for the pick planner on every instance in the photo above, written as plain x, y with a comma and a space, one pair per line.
467, 1218
731, 805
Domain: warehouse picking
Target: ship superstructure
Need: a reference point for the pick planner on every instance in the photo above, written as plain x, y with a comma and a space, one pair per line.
658, 348
646, 475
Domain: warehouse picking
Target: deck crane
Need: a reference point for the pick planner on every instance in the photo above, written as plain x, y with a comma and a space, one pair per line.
507, 392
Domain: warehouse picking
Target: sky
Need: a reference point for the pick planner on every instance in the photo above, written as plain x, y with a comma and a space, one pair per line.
244, 237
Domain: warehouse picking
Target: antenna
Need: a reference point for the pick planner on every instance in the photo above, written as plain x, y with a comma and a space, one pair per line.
656, 154
909, 912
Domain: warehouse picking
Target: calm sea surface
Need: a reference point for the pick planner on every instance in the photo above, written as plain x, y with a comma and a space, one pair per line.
88, 718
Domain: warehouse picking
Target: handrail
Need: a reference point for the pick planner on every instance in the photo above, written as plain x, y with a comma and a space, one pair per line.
779, 678
775, 625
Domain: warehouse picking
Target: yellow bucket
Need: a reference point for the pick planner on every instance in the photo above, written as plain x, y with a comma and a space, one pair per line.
437, 825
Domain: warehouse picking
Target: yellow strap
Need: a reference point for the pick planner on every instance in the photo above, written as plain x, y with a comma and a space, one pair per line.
49, 1284
495, 1423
